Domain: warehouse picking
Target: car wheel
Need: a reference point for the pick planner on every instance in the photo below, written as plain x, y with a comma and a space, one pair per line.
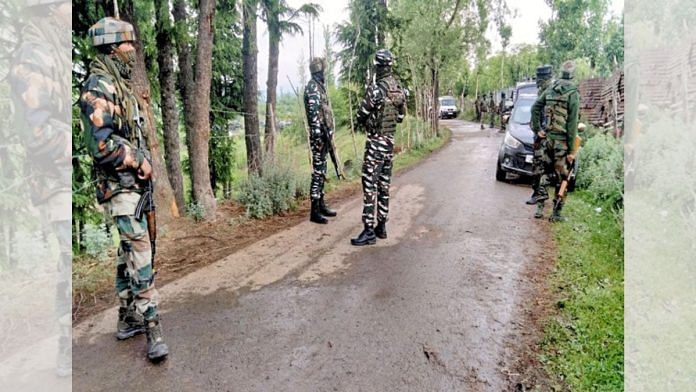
500, 173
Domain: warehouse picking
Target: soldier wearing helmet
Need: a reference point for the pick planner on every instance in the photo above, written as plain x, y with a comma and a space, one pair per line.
561, 106
112, 126
39, 81
381, 109
320, 120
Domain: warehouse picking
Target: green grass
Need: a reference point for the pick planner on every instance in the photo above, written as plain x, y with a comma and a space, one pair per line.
583, 343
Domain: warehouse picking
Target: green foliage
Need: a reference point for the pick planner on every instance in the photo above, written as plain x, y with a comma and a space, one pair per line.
601, 169
274, 193
196, 211
97, 241
583, 343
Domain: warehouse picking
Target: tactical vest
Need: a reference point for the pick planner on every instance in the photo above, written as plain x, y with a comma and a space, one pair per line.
556, 108
393, 98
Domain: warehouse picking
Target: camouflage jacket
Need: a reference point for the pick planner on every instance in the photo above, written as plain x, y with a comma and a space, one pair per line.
383, 106
39, 78
318, 109
111, 131
561, 104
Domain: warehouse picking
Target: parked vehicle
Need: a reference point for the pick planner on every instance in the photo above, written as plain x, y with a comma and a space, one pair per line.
448, 107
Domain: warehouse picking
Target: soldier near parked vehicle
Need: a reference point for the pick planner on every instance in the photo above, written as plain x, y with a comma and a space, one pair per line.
483, 109
544, 75
477, 108
320, 120
561, 104
39, 79
382, 108
502, 111
113, 134
492, 109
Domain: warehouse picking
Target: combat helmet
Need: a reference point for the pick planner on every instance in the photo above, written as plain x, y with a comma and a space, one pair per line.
568, 70
317, 64
110, 31
383, 58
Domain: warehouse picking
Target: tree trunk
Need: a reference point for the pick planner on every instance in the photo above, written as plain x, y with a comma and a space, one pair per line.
200, 135
271, 85
251, 117
435, 101
186, 82
164, 196
170, 115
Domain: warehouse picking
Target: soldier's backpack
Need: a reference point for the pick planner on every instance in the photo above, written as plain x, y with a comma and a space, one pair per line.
394, 99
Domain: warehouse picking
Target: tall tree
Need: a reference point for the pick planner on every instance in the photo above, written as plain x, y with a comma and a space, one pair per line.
200, 137
251, 116
141, 87
170, 114
280, 19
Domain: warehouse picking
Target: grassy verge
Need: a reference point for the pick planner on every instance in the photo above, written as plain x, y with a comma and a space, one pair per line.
583, 342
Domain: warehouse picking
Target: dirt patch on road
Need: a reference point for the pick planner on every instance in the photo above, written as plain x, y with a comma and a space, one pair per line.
526, 372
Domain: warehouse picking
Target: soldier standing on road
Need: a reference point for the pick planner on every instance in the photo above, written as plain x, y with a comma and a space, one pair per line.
501, 111
477, 108
39, 78
382, 108
491, 110
561, 102
483, 109
320, 119
539, 195
111, 118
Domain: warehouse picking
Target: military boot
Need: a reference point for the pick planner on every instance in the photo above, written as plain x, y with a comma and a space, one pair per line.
539, 210
157, 350
381, 229
324, 210
315, 214
367, 237
129, 323
556, 215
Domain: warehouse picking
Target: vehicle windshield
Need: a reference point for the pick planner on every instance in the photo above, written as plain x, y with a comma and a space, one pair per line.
530, 89
522, 113
447, 102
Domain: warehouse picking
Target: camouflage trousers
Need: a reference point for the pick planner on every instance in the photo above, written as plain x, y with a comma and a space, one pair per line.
319, 151
134, 274
492, 119
376, 177
549, 165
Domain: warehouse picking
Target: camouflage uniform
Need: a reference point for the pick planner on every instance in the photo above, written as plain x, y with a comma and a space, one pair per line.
561, 104
320, 120
112, 133
382, 108
39, 78
539, 193
491, 111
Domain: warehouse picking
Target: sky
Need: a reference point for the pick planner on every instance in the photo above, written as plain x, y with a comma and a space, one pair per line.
525, 26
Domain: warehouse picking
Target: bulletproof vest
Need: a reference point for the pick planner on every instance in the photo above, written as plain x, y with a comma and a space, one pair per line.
393, 99
556, 109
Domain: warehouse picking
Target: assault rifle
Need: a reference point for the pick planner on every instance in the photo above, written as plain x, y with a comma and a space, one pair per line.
333, 153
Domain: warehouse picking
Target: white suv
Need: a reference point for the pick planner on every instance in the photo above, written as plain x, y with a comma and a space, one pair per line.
448, 107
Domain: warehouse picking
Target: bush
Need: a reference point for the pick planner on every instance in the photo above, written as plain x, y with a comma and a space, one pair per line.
601, 169
196, 211
97, 241
273, 193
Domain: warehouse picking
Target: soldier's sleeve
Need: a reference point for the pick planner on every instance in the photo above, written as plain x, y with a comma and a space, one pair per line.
109, 151
34, 89
401, 109
369, 103
536, 112
313, 109
572, 123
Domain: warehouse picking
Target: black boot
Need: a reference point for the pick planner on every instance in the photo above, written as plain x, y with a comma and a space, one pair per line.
324, 210
539, 213
367, 237
556, 215
157, 350
315, 214
381, 229
129, 323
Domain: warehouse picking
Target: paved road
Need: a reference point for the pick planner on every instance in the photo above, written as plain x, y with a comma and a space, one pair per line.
432, 308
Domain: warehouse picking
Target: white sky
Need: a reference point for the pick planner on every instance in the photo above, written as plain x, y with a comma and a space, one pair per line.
525, 28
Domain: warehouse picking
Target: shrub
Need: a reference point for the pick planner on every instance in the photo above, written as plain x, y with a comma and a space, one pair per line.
196, 211
97, 241
601, 169
272, 193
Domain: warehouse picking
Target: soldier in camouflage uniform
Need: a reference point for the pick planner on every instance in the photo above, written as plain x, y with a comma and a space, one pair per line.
539, 194
382, 108
112, 132
492, 109
561, 104
320, 119
39, 78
